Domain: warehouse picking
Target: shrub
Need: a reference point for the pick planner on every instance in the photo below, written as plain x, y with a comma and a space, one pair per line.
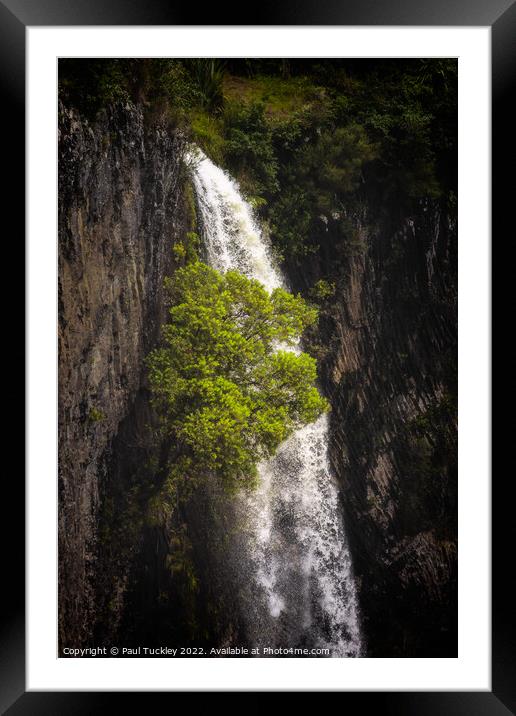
223, 391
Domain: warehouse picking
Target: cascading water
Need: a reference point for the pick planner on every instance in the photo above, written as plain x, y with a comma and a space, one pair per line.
292, 552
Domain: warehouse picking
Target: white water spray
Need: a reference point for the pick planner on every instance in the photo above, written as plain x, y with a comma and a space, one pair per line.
293, 548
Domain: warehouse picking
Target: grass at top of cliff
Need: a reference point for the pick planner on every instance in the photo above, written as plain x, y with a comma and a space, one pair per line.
244, 122
208, 133
281, 97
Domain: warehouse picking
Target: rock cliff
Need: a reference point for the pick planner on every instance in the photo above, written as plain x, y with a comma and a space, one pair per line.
121, 205
389, 337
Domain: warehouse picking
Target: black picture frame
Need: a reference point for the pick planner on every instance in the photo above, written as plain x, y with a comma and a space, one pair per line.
500, 15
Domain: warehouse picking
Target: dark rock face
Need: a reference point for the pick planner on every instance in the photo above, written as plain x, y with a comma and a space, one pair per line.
391, 337
121, 206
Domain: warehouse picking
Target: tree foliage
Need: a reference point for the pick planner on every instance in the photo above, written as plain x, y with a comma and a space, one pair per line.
307, 138
228, 383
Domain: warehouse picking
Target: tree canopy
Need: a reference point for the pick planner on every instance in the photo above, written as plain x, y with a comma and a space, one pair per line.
228, 383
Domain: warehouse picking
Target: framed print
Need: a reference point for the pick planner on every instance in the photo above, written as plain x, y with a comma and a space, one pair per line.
258, 366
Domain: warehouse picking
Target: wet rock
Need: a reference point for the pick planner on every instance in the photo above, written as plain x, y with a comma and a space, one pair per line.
390, 338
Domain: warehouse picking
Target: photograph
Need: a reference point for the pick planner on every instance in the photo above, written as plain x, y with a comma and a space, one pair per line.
257, 310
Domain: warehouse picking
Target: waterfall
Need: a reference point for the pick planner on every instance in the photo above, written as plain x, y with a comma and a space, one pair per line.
292, 552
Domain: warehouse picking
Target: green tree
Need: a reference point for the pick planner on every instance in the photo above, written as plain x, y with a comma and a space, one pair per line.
226, 384
248, 148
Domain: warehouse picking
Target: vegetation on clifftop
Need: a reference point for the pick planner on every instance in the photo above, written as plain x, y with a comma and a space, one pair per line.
308, 140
